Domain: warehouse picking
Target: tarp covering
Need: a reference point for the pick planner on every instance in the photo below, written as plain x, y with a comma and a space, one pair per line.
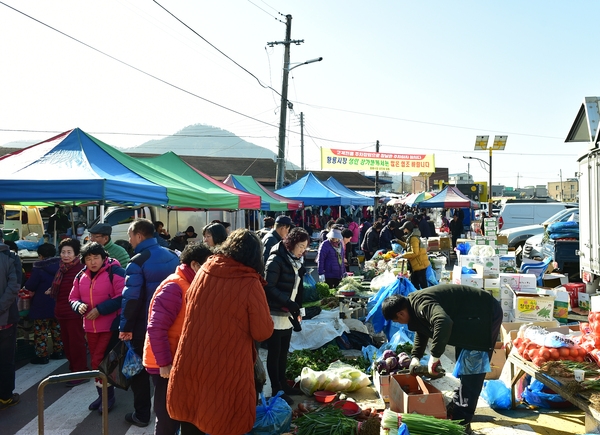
269, 201
312, 191
73, 166
210, 193
355, 198
450, 197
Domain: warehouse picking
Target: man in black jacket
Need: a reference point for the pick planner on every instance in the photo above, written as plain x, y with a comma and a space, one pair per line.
462, 316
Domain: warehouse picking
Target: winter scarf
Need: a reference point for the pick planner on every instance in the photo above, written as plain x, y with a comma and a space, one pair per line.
59, 276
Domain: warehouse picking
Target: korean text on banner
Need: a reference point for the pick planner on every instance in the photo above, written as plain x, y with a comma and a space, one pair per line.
348, 160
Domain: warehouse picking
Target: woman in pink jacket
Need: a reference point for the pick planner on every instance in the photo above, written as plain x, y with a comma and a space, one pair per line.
96, 295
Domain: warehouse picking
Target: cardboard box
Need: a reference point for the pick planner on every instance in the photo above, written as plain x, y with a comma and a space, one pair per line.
502, 240
534, 308
561, 303
497, 362
584, 301
382, 385
412, 394
507, 304
473, 280
445, 243
553, 280
491, 283
490, 265
433, 244
519, 281
508, 331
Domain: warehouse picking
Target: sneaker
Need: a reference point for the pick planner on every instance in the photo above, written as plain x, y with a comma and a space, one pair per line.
76, 382
10, 402
58, 355
131, 418
40, 360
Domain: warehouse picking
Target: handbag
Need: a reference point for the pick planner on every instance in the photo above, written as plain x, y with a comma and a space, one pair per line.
112, 366
260, 375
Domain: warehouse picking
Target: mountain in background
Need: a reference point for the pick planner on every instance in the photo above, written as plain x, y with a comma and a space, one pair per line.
204, 140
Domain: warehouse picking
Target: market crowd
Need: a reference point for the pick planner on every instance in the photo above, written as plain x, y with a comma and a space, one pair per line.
191, 308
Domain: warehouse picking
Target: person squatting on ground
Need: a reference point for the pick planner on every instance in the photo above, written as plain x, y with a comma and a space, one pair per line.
165, 321
226, 313
150, 265
71, 326
96, 296
284, 272
462, 316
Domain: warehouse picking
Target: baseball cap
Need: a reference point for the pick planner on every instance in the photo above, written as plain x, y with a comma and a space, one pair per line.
284, 220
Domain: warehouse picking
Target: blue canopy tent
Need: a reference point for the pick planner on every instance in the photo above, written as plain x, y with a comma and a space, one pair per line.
72, 167
355, 198
313, 192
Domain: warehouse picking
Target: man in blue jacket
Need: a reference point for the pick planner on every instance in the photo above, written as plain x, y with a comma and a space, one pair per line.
150, 265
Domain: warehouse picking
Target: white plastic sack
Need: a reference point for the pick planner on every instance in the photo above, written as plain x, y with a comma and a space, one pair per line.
318, 331
339, 377
386, 278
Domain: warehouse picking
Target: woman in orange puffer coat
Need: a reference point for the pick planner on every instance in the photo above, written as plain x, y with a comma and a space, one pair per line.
165, 321
211, 386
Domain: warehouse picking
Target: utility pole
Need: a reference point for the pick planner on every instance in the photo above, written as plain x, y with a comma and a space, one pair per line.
280, 171
562, 198
376, 188
302, 140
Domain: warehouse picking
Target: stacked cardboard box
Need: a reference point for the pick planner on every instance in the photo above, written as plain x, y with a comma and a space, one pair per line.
510, 283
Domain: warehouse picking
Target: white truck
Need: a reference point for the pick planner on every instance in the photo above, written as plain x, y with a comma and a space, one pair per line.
586, 129
174, 220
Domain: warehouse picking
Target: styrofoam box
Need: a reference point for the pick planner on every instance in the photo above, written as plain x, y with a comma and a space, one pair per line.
508, 316
507, 304
519, 281
595, 303
491, 283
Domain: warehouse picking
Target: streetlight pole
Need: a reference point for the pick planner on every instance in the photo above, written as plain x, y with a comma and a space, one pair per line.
280, 168
499, 144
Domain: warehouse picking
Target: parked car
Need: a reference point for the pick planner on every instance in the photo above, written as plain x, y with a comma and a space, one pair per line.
533, 246
519, 235
518, 214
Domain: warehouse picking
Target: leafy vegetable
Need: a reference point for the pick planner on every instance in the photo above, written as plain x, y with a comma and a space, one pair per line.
317, 360
323, 290
326, 421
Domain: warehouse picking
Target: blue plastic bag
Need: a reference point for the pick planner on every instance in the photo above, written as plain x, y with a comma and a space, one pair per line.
534, 395
472, 362
431, 278
463, 248
401, 286
496, 394
133, 362
309, 285
272, 417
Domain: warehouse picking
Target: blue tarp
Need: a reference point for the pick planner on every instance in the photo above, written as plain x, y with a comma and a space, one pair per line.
313, 192
355, 198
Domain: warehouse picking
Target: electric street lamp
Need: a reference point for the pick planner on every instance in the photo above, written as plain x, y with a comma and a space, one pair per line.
481, 144
280, 169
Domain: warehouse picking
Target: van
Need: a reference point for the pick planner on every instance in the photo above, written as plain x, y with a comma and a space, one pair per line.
119, 218
19, 221
518, 214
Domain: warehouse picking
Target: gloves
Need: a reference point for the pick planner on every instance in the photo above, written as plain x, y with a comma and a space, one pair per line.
321, 278
414, 363
434, 365
293, 307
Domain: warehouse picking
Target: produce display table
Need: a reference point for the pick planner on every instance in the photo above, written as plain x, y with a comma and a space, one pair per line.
592, 416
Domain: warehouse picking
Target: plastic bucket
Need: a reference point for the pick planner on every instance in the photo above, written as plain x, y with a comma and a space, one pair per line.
574, 288
438, 263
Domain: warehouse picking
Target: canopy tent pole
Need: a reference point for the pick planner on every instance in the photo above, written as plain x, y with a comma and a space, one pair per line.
73, 233
54, 230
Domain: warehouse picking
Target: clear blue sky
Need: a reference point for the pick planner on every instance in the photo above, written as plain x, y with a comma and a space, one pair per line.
420, 77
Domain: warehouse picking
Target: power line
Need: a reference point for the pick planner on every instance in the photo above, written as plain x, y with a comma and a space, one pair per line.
424, 122
138, 69
213, 46
273, 16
